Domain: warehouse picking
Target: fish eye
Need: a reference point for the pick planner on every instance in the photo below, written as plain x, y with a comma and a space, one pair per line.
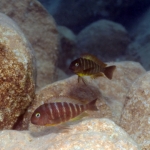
76, 64
37, 115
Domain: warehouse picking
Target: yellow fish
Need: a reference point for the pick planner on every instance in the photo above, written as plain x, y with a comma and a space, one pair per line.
89, 65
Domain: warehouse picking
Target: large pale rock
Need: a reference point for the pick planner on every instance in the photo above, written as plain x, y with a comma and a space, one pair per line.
103, 38
111, 94
136, 115
40, 29
17, 73
87, 134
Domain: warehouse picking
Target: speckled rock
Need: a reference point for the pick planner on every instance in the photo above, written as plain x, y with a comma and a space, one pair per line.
17, 80
103, 38
88, 134
136, 115
110, 93
40, 29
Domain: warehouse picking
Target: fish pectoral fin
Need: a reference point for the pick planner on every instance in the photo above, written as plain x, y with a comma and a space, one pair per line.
81, 78
97, 75
64, 128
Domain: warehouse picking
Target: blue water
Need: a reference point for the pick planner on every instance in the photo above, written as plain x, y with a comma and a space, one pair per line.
76, 15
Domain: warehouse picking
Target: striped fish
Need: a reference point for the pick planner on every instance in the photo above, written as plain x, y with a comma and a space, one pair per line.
89, 65
50, 114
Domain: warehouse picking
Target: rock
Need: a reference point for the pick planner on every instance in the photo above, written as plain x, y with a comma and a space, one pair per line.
17, 73
40, 29
138, 50
61, 74
87, 134
111, 94
135, 116
67, 47
105, 39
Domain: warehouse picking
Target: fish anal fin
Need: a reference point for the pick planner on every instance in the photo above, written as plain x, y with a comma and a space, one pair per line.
79, 117
109, 71
97, 75
50, 125
95, 59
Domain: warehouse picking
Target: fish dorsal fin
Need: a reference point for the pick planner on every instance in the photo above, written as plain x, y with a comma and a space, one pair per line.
93, 58
64, 98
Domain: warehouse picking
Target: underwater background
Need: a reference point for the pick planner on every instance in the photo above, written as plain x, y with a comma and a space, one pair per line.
124, 37
41, 90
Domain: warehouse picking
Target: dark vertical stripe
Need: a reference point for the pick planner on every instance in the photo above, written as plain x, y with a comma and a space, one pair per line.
70, 110
78, 109
84, 63
55, 112
90, 65
67, 111
50, 113
82, 108
60, 111
81, 62
96, 68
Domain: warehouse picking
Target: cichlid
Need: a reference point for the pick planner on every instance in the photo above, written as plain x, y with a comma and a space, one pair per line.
51, 114
89, 65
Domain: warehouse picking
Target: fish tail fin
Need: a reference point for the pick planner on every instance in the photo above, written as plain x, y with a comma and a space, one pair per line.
109, 71
92, 105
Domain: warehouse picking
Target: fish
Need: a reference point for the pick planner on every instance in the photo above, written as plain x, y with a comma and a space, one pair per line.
55, 113
89, 65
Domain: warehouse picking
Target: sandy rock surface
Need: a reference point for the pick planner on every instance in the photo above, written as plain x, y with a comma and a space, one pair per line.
136, 117
87, 134
17, 73
40, 29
